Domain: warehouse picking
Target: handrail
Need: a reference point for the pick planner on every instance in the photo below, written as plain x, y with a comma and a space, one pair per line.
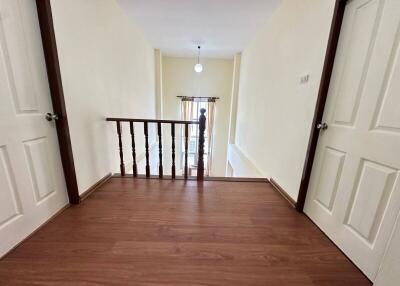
116, 119
159, 122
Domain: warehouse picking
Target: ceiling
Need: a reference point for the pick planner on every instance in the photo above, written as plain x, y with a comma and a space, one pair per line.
222, 27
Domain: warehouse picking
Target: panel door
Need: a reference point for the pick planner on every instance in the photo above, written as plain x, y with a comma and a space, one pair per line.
354, 192
31, 178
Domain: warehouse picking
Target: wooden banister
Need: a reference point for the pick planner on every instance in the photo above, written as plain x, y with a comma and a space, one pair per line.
121, 152
146, 137
186, 171
159, 122
202, 128
134, 167
151, 120
173, 171
160, 166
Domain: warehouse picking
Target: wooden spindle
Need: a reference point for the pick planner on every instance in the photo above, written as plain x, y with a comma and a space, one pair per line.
202, 128
146, 136
186, 149
173, 149
160, 166
134, 167
121, 152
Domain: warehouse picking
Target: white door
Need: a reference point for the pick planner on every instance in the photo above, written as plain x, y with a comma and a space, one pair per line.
32, 186
354, 192
389, 271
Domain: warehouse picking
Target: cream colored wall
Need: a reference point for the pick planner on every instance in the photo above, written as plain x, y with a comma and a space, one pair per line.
107, 69
179, 78
275, 111
235, 94
158, 83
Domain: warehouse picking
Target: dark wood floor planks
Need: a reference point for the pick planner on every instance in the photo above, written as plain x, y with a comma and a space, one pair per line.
161, 232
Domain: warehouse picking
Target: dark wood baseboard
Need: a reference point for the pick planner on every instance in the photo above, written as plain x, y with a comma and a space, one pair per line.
193, 178
237, 179
284, 194
93, 188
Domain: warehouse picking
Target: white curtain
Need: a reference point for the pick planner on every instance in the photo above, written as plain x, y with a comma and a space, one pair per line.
209, 131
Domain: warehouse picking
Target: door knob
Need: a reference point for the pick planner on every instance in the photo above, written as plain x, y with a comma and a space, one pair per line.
51, 116
322, 126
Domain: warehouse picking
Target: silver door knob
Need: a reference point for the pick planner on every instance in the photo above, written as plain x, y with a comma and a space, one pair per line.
51, 116
322, 126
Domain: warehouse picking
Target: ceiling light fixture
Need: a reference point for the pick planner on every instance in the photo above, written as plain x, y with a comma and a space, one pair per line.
198, 67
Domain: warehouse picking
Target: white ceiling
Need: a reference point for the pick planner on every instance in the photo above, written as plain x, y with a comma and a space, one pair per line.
222, 27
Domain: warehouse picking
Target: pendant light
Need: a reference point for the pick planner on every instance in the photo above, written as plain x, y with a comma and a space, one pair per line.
198, 67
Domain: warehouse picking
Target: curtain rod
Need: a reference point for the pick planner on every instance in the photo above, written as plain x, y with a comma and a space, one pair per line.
198, 97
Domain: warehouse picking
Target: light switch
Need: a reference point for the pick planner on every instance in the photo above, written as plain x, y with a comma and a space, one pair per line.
304, 79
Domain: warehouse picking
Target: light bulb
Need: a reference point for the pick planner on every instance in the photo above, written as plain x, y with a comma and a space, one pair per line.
198, 68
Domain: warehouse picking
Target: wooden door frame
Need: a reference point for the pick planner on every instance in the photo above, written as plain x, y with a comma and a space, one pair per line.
333, 40
57, 97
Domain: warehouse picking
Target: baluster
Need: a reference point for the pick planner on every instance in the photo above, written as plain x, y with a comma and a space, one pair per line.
173, 149
202, 128
146, 135
186, 149
133, 149
121, 152
160, 167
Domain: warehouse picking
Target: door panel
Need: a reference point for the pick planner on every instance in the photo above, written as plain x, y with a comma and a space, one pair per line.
388, 115
33, 186
369, 198
354, 191
39, 167
11, 206
328, 181
357, 49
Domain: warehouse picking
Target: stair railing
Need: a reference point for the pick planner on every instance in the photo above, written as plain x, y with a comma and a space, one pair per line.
159, 122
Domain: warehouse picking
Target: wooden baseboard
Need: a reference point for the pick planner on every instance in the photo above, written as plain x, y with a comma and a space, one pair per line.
193, 178
93, 188
237, 179
284, 194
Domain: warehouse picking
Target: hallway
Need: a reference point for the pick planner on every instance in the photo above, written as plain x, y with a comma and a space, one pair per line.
163, 232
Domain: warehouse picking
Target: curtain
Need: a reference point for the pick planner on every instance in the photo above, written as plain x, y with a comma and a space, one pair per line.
209, 131
187, 115
187, 109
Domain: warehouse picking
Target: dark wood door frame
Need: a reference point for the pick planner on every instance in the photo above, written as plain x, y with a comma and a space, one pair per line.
57, 97
334, 33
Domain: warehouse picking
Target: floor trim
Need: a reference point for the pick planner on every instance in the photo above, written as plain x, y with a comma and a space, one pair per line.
193, 178
94, 187
284, 194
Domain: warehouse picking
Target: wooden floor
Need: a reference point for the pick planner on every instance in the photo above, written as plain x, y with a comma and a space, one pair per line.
161, 232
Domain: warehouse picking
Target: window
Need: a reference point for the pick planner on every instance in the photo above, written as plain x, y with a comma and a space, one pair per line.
191, 111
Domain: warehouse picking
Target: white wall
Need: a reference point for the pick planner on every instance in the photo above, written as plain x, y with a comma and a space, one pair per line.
240, 166
158, 83
235, 94
107, 69
274, 111
179, 78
